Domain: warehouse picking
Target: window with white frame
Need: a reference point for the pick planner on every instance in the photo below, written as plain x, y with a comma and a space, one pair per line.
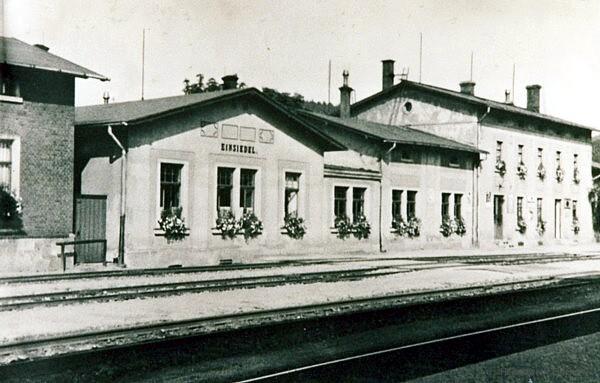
458, 206
411, 204
445, 205
339, 201
170, 185
292, 190
224, 188
358, 203
247, 189
396, 204
6, 163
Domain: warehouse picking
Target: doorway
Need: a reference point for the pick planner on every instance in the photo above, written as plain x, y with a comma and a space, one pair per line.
557, 218
498, 216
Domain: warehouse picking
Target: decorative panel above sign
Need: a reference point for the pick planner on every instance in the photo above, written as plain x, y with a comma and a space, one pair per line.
266, 136
247, 133
209, 129
229, 131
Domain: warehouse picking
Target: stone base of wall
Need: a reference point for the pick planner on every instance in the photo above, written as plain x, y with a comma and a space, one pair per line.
31, 255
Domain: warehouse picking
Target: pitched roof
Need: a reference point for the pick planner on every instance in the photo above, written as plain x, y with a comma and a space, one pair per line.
467, 98
398, 134
134, 112
18, 53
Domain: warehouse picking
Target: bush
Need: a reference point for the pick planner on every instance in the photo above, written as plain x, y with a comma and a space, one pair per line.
501, 168
413, 228
575, 226
399, 226
447, 226
461, 228
521, 225
560, 174
541, 227
522, 170
294, 226
172, 224
10, 205
541, 172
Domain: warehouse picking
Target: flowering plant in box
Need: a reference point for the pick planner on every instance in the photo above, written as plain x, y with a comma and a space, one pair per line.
227, 224
447, 226
10, 209
399, 226
501, 167
521, 225
172, 224
250, 225
342, 224
522, 170
413, 228
461, 228
576, 177
361, 227
541, 227
294, 226
541, 172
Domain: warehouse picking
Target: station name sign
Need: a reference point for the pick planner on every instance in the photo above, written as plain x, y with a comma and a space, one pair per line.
235, 148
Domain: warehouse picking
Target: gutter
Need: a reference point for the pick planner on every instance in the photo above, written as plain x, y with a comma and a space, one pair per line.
123, 195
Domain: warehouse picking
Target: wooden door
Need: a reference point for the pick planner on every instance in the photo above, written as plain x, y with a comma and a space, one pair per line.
90, 224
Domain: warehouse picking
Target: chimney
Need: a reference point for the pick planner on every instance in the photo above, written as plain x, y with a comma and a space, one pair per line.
42, 47
106, 97
387, 79
533, 98
230, 81
345, 92
467, 87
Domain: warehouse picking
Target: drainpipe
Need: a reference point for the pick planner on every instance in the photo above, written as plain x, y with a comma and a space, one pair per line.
122, 200
381, 249
475, 217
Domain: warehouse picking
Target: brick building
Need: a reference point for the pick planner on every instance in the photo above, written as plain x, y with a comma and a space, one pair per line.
37, 96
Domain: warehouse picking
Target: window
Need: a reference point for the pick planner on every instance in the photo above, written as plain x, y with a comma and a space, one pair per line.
519, 208
575, 160
358, 203
445, 205
292, 188
541, 155
224, 187
339, 201
8, 85
247, 189
411, 204
170, 185
539, 210
457, 206
557, 159
520, 153
6, 163
498, 151
396, 204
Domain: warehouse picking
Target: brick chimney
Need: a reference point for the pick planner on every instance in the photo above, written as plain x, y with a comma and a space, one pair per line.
387, 79
533, 97
230, 81
345, 93
467, 87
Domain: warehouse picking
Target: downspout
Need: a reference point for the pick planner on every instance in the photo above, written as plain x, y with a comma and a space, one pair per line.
381, 249
122, 199
475, 215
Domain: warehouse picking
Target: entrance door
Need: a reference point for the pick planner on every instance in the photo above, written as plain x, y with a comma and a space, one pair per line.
498, 218
90, 224
557, 218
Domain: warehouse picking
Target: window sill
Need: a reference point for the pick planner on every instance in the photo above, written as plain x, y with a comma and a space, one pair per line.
11, 99
161, 233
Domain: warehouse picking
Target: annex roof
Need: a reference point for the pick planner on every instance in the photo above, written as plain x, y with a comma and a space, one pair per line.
18, 53
398, 134
463, 97
134, 112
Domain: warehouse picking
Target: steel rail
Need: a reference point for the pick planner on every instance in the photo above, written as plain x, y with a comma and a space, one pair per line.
22, 350
418, 344
176, 288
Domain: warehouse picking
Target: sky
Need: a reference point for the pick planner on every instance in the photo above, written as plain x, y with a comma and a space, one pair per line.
287, 45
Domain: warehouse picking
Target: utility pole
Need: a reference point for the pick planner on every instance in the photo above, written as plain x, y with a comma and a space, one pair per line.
143, 58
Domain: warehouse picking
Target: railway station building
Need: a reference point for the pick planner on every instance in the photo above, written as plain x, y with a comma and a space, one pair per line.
37, 97
411, 167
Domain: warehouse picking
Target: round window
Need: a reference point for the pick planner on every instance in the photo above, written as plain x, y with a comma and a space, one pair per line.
407, 106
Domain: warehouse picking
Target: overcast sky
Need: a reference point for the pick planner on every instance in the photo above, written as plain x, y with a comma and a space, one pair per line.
287, 45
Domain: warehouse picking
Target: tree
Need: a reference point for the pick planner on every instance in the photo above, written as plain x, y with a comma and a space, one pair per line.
594, 197
211, 85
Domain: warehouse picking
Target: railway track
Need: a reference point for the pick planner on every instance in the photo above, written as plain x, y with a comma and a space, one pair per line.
162, 289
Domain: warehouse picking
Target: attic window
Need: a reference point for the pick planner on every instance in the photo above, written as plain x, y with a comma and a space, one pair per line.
9, 87
453, 162
407, 107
